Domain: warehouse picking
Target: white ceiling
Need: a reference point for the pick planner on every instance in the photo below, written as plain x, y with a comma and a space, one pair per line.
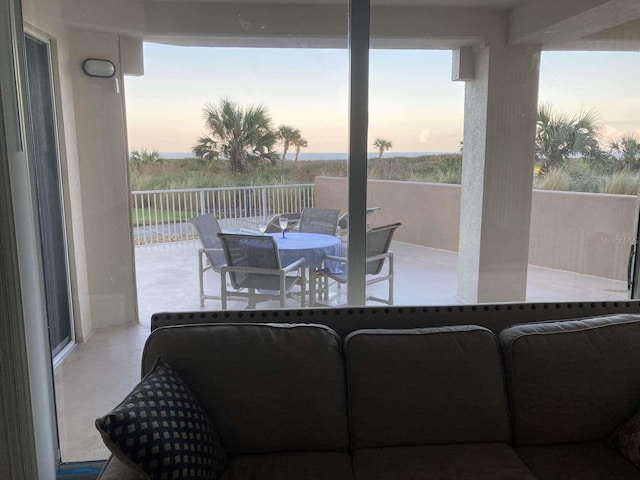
553, 24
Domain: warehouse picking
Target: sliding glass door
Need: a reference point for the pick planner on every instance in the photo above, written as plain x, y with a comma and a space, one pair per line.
46, 167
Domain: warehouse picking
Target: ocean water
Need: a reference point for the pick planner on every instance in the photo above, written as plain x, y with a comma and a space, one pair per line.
317, 156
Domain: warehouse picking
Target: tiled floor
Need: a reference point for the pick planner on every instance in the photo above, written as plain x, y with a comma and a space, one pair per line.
97, 374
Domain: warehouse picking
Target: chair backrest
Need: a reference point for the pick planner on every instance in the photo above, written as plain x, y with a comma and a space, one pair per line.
208, 228
343, 220
378, 242
254, 251
319, 220
273, 224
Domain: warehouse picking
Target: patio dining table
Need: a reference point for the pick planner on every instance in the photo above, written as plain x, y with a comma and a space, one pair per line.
312, 247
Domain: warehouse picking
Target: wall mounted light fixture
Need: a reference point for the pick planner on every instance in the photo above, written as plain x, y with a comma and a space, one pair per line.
95, 67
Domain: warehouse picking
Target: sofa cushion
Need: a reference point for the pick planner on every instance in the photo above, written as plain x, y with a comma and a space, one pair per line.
573, 381
626, 439
425, 386
290, 466
161, 429
580, 461
483, 461
266, 387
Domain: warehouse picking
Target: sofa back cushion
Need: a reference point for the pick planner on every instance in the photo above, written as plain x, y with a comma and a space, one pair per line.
265, 387
572, 381
425, 386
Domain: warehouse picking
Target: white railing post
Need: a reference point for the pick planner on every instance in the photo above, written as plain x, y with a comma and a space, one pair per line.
265, 207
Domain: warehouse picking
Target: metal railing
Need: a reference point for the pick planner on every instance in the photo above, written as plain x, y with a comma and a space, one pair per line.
162, 216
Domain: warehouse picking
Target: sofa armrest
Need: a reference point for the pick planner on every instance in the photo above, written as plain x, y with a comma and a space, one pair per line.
114, 469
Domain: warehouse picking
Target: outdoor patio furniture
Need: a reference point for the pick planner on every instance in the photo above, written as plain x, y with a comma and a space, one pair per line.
378, 242
343, 223
319, 220
273, 224
211, 255
313, 247
255, 272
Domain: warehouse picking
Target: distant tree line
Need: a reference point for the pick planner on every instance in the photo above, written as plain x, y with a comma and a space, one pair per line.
244, 137
561, 137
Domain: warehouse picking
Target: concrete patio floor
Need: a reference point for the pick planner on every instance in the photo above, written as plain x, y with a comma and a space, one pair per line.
97, 374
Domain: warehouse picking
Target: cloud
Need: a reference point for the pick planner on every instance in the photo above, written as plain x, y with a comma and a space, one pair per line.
611, 133
424, 134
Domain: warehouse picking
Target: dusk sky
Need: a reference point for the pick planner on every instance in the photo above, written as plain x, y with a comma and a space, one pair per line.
413, 101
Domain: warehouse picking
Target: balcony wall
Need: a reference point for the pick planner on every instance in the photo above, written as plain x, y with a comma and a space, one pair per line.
579, 232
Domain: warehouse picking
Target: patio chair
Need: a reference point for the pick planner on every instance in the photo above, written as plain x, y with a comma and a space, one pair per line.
319, 220
254, 270
378, 243
343, 223
273, 224
211, 255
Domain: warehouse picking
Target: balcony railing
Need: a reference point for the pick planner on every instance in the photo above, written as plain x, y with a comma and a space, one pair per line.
162, 216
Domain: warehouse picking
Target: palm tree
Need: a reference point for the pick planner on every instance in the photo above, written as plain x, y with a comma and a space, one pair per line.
627, 150
288, 135
299, 143
205, 149
560, 136
382, 145
138, 158
240, 136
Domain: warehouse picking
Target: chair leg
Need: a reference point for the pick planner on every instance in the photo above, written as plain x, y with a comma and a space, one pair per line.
390, 280
223, 290
201, 278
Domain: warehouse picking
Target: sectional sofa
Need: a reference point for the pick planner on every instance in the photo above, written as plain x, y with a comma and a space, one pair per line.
543, 400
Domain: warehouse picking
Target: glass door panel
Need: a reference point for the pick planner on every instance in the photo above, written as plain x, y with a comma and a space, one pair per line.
282, 83
583, 223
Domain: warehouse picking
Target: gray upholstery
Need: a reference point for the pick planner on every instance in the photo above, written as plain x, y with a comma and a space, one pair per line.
378, 243
319, 220
483, 461
266, 388
254, 269
423, 404
425, 386
579, 461
290, 466
210, 256
572, 381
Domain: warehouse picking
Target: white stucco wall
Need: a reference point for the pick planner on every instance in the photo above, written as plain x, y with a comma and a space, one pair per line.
587, 233
104, 180
93, 154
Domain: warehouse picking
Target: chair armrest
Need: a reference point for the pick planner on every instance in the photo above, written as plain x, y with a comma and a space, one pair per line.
375, 258
300, 263
211, 250
333, 258
263, 271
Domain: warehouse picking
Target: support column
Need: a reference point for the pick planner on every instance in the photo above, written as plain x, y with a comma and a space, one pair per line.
103, 170
497, 174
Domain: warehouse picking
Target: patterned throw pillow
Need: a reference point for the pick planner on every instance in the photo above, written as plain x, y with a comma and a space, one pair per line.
161, 430
626, 439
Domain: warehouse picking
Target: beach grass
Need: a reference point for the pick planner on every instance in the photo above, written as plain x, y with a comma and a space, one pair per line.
190, 173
